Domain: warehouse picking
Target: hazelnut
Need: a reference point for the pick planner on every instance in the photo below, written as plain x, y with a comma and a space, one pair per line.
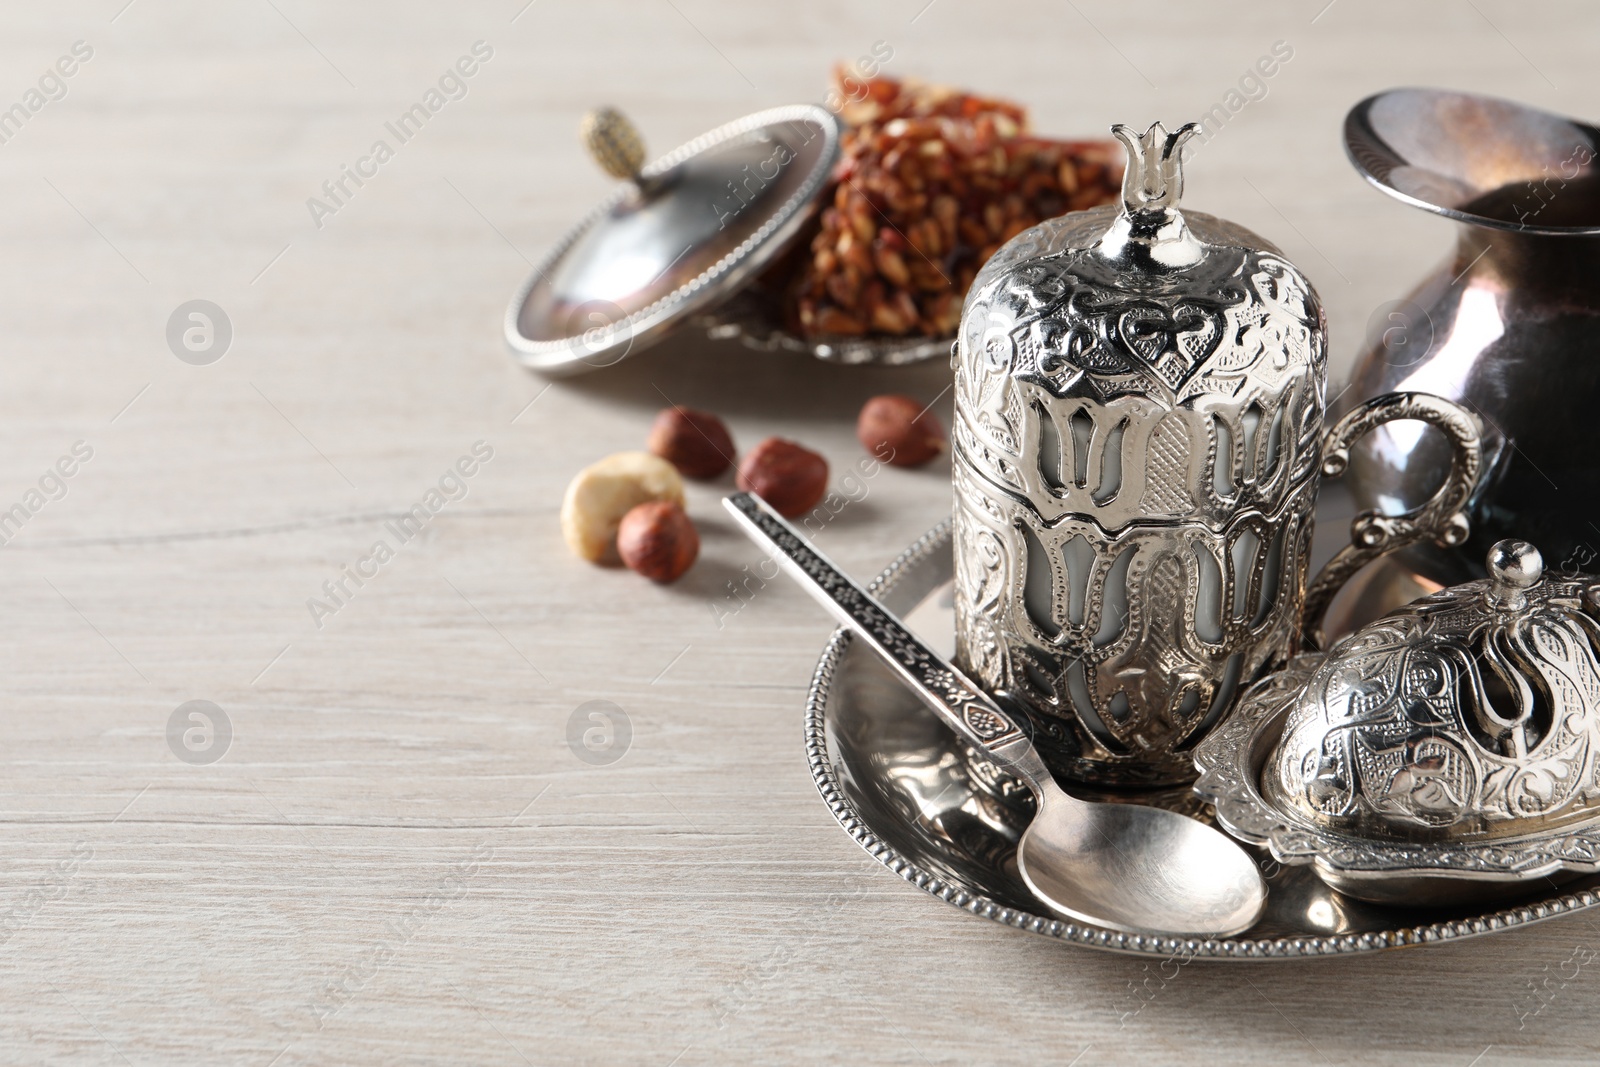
899, 431
658, 541
788, 476
603, 492
696, 442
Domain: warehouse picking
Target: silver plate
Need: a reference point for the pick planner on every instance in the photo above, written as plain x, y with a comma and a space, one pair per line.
928, 808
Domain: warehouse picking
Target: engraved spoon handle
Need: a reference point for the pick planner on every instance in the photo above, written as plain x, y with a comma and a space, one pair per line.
967, 709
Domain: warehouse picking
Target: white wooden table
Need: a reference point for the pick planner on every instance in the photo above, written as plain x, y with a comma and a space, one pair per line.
399, 858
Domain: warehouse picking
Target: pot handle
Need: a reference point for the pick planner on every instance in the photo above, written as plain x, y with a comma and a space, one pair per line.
1442, 519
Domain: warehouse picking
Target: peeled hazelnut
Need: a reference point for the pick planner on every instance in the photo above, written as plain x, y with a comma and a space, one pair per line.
899, 431
658, 541
788, 476
603, 492
696, 442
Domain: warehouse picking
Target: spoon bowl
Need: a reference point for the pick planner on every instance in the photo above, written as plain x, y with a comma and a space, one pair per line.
1122, 866
1138, 869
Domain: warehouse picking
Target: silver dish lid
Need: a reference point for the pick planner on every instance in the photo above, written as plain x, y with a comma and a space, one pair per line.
1449, 751
1473, 711
678, 237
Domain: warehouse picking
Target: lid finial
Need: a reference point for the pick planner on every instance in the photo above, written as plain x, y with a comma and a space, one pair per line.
1149, 232
1514, 566
613, 142
1153, 179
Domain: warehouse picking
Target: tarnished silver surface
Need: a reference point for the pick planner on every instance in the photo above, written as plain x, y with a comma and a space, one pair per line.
1449, 750
923, 803
1128, 867
690, 230
1137, 447
1508, 325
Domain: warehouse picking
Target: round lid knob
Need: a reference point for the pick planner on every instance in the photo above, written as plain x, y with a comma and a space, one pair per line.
614, 142
1513, 567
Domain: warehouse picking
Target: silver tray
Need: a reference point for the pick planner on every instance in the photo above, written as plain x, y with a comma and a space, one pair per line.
943, 818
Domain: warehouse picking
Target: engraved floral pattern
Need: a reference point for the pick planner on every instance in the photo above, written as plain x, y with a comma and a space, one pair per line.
1395, 757
1126, 448
1452, 712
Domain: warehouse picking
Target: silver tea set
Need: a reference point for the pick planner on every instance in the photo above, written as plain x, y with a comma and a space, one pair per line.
1138, 445
1137, 645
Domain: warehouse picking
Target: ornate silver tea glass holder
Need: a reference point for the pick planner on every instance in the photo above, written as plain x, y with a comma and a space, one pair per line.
1138, 444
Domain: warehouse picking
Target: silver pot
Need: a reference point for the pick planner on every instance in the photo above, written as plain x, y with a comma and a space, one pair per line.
1508, 326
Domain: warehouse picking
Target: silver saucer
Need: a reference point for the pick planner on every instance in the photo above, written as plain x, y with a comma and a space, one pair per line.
929, 809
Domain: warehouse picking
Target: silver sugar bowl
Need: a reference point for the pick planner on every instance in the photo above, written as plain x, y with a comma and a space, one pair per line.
1448, 751
1137, 448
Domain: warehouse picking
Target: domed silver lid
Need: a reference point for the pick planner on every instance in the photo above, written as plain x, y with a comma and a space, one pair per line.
1137, 298
1469, 712
1447, 752
679, 236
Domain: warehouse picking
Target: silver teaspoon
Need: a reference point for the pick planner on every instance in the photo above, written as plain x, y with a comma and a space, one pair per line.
1122, 866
